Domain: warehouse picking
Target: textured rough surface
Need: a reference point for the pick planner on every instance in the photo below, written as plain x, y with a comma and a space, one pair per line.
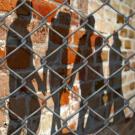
106, 22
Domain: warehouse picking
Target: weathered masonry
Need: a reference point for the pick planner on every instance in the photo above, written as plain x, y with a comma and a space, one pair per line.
67, 67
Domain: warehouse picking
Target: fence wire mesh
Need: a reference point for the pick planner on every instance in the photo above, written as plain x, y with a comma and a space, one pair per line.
94, 113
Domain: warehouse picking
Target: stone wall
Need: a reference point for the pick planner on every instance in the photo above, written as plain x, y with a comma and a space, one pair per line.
107, 21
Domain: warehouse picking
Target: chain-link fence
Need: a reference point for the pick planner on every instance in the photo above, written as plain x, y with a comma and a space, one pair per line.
101, 101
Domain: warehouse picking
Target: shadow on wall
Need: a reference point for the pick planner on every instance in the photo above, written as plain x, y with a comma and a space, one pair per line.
90, 82
61, 24
22, 101
115, 82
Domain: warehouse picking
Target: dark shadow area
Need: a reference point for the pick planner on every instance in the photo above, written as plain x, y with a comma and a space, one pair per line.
90, 82
122, 128
115, 82
23, 102
54, 64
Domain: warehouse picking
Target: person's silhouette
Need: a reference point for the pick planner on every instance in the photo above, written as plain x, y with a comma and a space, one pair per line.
61, 24
22, 102
115, 82
89, 81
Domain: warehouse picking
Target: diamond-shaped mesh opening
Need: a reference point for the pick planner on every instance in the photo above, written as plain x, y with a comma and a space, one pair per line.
67, 67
